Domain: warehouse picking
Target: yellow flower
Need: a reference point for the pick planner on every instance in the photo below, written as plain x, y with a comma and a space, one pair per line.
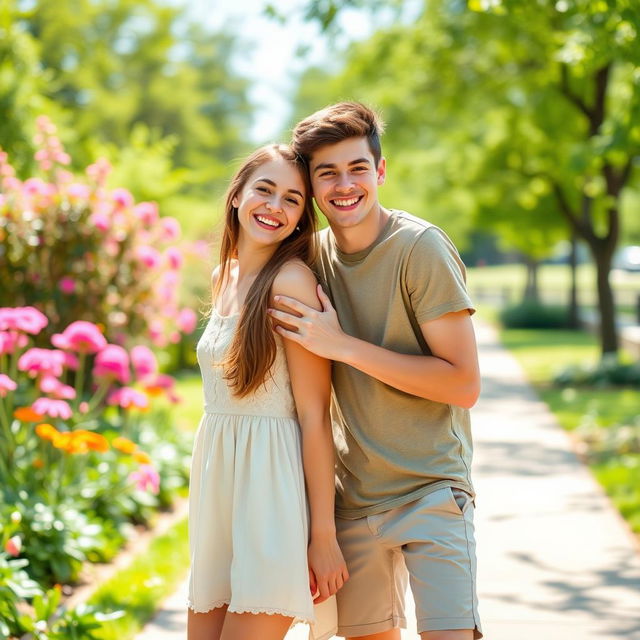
46, 431
124, 444
141, 457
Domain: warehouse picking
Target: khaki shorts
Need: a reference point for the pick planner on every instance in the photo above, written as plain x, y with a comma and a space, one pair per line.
429, 542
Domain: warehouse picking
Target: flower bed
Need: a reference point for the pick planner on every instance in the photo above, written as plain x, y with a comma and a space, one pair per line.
86, 453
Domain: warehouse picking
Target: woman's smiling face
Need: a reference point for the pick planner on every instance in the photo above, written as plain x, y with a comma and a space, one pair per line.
271, 202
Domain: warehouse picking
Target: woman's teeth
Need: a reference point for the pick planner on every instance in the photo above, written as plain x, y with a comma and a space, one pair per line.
268, 222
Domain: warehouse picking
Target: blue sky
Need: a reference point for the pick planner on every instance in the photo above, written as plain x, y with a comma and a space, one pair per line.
268, 56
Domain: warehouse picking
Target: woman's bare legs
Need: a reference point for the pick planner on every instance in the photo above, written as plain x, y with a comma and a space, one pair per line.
241, 626
205, 626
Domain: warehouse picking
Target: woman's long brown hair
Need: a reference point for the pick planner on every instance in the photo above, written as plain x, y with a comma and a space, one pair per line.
252, 351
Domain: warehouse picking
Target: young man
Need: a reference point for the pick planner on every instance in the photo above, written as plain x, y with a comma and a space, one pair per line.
397, 325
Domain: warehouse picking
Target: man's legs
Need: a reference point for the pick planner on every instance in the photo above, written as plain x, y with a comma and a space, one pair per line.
433, 538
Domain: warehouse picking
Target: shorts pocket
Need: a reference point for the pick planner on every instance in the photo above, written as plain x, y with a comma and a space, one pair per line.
460, 499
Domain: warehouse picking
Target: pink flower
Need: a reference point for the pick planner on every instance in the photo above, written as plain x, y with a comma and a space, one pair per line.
99, 170
112, 362
77, 191
146, 478
127, 398
122, 198
80, 336
52, 408
149, 256
13, 545
42, 361
83, 407
163, 383
187, 320
9, 340
67, 285
100, 221
143, 361
35, 187
174, 257
27, 319
57, 389
6, 385
147, 212
44, 125
170, 228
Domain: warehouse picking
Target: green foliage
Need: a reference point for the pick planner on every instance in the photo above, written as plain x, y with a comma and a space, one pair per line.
607, 372
109, 66
519, 117
605, 419
533, 315
138, 588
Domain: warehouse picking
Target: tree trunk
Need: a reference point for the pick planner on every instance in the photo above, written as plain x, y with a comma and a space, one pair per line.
608, 329
531, 290
573, 318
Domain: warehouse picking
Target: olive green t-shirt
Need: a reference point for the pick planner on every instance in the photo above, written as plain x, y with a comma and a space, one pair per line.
393, 447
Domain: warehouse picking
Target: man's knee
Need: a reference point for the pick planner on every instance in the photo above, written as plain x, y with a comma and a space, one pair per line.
452, 634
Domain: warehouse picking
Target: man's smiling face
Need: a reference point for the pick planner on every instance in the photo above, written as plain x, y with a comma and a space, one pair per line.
345, 182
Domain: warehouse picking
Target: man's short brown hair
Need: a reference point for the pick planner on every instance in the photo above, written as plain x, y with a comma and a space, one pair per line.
336, 123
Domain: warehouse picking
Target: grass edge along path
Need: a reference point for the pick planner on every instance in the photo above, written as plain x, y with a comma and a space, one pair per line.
540, 352
137, 589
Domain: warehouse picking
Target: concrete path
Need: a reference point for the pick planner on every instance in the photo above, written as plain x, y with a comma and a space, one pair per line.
556, 561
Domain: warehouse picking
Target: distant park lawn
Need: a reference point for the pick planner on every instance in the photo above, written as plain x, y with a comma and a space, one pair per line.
554, 282
541, 353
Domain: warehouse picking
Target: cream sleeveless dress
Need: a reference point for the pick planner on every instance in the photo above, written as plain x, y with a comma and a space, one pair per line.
248, 527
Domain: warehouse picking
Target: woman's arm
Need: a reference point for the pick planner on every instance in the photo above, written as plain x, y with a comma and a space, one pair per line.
311, 385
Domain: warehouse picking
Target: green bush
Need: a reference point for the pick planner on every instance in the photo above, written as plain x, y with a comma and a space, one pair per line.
606, 373
534, 315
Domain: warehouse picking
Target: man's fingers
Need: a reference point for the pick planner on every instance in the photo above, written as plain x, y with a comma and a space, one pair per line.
292, 303
285, 317
289, 335
324, 298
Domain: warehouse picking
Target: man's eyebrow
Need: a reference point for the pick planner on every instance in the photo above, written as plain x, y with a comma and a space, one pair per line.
329, 165
273, 184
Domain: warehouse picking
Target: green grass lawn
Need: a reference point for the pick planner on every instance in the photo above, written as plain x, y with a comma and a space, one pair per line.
139, 588
541, 353
554, 283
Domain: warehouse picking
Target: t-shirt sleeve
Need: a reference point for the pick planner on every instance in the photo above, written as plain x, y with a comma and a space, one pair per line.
435, 277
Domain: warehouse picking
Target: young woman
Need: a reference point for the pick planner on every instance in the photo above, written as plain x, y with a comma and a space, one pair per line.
260, 557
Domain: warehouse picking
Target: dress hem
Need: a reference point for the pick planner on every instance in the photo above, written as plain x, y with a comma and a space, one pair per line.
271, 611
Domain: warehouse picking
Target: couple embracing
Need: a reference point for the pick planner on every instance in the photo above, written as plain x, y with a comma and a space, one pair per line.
332, 463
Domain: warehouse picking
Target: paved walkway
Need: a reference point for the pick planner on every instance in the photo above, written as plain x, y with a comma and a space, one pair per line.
556, 562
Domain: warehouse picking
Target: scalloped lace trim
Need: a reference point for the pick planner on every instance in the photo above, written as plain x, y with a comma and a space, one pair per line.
297, 616
215, 605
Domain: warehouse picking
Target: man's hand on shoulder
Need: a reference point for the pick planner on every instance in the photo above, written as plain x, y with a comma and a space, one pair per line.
314, 326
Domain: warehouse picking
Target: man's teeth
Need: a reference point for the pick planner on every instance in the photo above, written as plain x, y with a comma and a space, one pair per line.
346, 203
267, 221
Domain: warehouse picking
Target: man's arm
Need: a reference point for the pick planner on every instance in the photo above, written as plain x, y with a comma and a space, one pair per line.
451, 375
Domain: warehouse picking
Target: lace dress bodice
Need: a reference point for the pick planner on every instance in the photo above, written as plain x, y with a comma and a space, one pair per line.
274, 398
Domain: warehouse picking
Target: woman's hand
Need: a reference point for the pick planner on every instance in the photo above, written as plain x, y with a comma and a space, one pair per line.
327, 568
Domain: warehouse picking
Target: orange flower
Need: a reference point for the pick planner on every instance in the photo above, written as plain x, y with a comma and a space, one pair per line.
124, 444
61, 440
27, 414
47, 431
38, 463
91, 440
142, 457
76, 445
154, 391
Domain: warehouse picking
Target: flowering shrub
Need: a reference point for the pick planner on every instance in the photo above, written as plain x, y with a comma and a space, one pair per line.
81, 457
79, 251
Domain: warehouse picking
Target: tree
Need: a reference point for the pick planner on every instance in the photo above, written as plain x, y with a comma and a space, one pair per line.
113, 65
540, 99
